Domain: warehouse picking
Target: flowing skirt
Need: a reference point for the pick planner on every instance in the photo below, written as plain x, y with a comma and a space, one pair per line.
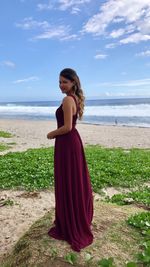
73, 192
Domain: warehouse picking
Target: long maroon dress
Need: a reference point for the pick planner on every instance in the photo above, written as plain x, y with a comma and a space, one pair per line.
73, 192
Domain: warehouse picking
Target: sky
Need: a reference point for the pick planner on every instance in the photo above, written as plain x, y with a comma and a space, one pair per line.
107, 42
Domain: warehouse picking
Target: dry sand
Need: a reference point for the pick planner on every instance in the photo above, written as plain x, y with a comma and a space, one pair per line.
32, 134
16, 219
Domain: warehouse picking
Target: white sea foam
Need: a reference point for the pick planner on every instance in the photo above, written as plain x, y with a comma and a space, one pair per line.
27, 110
140, 110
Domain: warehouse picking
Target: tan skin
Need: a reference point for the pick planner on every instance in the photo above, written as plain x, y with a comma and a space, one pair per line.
69, 108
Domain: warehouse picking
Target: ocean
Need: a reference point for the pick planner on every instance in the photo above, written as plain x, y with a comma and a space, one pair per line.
127, 112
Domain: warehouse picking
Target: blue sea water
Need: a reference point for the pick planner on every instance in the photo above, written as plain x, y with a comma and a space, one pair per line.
130, 112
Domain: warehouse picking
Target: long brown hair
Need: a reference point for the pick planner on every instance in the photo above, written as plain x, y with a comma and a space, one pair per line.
71, 75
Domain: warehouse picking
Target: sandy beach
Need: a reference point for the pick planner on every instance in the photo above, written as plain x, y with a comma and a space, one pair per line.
32, 134
16, 219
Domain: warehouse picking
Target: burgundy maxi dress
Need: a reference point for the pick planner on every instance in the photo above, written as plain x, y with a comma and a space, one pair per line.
73, 191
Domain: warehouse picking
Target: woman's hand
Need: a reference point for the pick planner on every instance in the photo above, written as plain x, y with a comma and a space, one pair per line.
50, 135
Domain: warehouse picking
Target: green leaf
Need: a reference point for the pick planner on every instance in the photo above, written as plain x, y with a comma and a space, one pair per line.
147, 224
131, 264
106, 262
71, 258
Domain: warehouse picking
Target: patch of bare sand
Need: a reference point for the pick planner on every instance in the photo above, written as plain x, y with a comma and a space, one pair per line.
16, 219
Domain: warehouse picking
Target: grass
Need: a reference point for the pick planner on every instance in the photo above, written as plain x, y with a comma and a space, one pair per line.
142, 223
7, 202
141, 196
118, 167
33, 169
5, 134
5, 146
30, 170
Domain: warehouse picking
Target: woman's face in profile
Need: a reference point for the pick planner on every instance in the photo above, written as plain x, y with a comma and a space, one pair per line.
65, 85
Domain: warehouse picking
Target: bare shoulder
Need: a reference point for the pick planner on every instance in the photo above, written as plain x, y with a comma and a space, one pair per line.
67, 100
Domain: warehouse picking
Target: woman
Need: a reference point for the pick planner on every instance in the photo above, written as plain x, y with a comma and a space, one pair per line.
73, 192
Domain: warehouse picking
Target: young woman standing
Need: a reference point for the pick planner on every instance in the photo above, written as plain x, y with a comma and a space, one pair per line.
73, 191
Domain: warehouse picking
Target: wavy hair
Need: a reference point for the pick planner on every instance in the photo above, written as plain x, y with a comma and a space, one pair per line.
71, 75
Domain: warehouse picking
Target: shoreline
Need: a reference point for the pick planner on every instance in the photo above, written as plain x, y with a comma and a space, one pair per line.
118, 125
79, 122
32, 134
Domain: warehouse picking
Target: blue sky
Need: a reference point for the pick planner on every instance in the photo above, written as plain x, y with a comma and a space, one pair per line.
106, 42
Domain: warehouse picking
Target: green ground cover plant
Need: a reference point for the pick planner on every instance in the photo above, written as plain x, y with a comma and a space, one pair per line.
3, 146
33, 169
5, 134
118, 167
142, 222
30, 170
141, 196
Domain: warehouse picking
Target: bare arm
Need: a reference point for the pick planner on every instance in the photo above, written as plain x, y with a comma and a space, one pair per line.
68, 114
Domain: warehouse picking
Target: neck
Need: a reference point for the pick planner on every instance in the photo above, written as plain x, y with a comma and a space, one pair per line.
70, 93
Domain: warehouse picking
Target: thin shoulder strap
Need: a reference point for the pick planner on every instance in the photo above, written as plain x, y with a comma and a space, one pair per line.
75, 101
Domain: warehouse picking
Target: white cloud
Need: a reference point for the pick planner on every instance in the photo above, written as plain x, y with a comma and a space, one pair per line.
119, 94
59, 32
117, 33
46, 30
52, 33
134, 17
8, 63
47, 6
29, 23
63, 5
131, 83
32, 78
135, 38
131, 93
75, 10
70, 37
144, 54
100, 56
111, 45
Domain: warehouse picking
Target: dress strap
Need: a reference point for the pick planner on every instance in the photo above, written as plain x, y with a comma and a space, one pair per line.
75, 101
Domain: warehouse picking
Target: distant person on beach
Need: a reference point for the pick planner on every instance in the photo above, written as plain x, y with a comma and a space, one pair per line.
116, 121
73, 191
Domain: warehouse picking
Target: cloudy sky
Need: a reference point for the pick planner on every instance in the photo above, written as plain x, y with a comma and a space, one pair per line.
107, 42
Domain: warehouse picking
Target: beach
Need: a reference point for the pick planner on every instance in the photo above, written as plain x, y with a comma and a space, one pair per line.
32, 134
17, 219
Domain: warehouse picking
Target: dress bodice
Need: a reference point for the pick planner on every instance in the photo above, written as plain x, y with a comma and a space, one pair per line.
60, 115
